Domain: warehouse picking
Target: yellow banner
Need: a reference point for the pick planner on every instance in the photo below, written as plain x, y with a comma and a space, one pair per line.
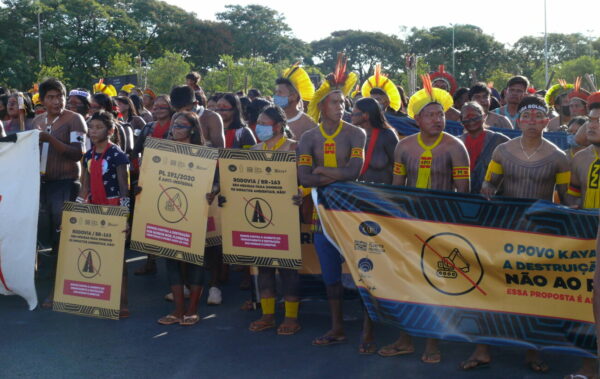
468, 267
261, 224
171, 212
90, 261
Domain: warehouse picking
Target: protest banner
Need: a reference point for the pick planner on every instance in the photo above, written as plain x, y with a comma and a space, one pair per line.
513, 272
171, 212
261, 225
19, 206
89, 271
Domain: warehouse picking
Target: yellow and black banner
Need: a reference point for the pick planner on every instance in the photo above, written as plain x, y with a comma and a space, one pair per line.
89, 272
171, 212
261, 225
458, 267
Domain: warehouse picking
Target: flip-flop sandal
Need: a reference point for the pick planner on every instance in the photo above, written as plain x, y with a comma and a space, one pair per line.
392, 351
288, 331
431, 357
578, 376
329, 340
259, 326
169, 320
124, 314
538, 366
367, 348
472, 364
190, 320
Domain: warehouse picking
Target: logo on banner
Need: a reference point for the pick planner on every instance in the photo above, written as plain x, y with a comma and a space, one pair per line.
450, 264
365, 265
259, 213
89, 263
369, 228
172, 205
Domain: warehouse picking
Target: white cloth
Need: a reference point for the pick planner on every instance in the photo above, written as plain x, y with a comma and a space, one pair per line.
19, 203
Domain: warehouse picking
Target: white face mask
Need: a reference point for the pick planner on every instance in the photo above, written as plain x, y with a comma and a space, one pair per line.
264, 132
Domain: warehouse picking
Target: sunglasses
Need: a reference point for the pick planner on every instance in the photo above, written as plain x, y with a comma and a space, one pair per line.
472, 120
180, 126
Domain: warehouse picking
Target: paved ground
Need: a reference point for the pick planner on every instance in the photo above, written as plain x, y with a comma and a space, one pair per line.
48, 344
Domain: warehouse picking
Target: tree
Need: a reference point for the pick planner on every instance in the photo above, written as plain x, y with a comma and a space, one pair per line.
167, 71
474, 52
529, 50
242, 74
51, 72
120, 64
259, 31
570, 70
363, 50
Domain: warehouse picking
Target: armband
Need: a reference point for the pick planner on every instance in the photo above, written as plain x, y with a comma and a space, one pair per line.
461, 172
563, 177
77, 137
305, 160
305, 191
357, 152
493, 168
574, 191
399, 168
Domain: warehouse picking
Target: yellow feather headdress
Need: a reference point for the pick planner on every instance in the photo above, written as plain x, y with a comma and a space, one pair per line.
428, 95
300, 80
107, 89
338, 80
556, 90
378, 80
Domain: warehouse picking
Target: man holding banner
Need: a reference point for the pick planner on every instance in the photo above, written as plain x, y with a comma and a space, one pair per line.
63, 145
528, 167
332, 152
430, 159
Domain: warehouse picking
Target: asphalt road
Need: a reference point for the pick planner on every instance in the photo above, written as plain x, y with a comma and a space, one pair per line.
48, 344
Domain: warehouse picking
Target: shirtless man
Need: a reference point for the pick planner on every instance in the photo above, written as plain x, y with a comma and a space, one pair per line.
332, 152
288, 98
528, 167
584, 192
516, 89
482, 94
480, 142
584, 189
63, 144
429, 159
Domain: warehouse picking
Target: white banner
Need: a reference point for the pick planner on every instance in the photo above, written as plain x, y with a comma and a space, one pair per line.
19, 203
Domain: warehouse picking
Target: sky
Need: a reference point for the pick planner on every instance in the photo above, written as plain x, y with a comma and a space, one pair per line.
312, 20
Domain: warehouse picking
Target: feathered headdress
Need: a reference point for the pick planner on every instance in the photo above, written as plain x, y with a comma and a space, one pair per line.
594, 98
107, 89
150, 93
428, 95
300, 80
338, 80
128, 87
557, 90
578, 92
442, 75
379, 80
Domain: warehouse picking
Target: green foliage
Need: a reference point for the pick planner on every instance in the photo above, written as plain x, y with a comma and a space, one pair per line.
476, 54
167, 71
120, 64
363, 49
570, 70
243, 74
46, 72
259, 31
499, 78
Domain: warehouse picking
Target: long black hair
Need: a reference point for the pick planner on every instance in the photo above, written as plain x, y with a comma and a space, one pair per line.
233, 100
371, 107
108, 120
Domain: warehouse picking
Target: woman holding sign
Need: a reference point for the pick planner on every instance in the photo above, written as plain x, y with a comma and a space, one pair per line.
271, 128
104, 180
185, 128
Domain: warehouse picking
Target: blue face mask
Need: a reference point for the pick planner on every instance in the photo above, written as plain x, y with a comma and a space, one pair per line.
281, 101
571, 140
264, 132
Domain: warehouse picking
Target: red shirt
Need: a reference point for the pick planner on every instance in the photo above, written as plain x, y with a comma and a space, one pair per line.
474, 148
160, 130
